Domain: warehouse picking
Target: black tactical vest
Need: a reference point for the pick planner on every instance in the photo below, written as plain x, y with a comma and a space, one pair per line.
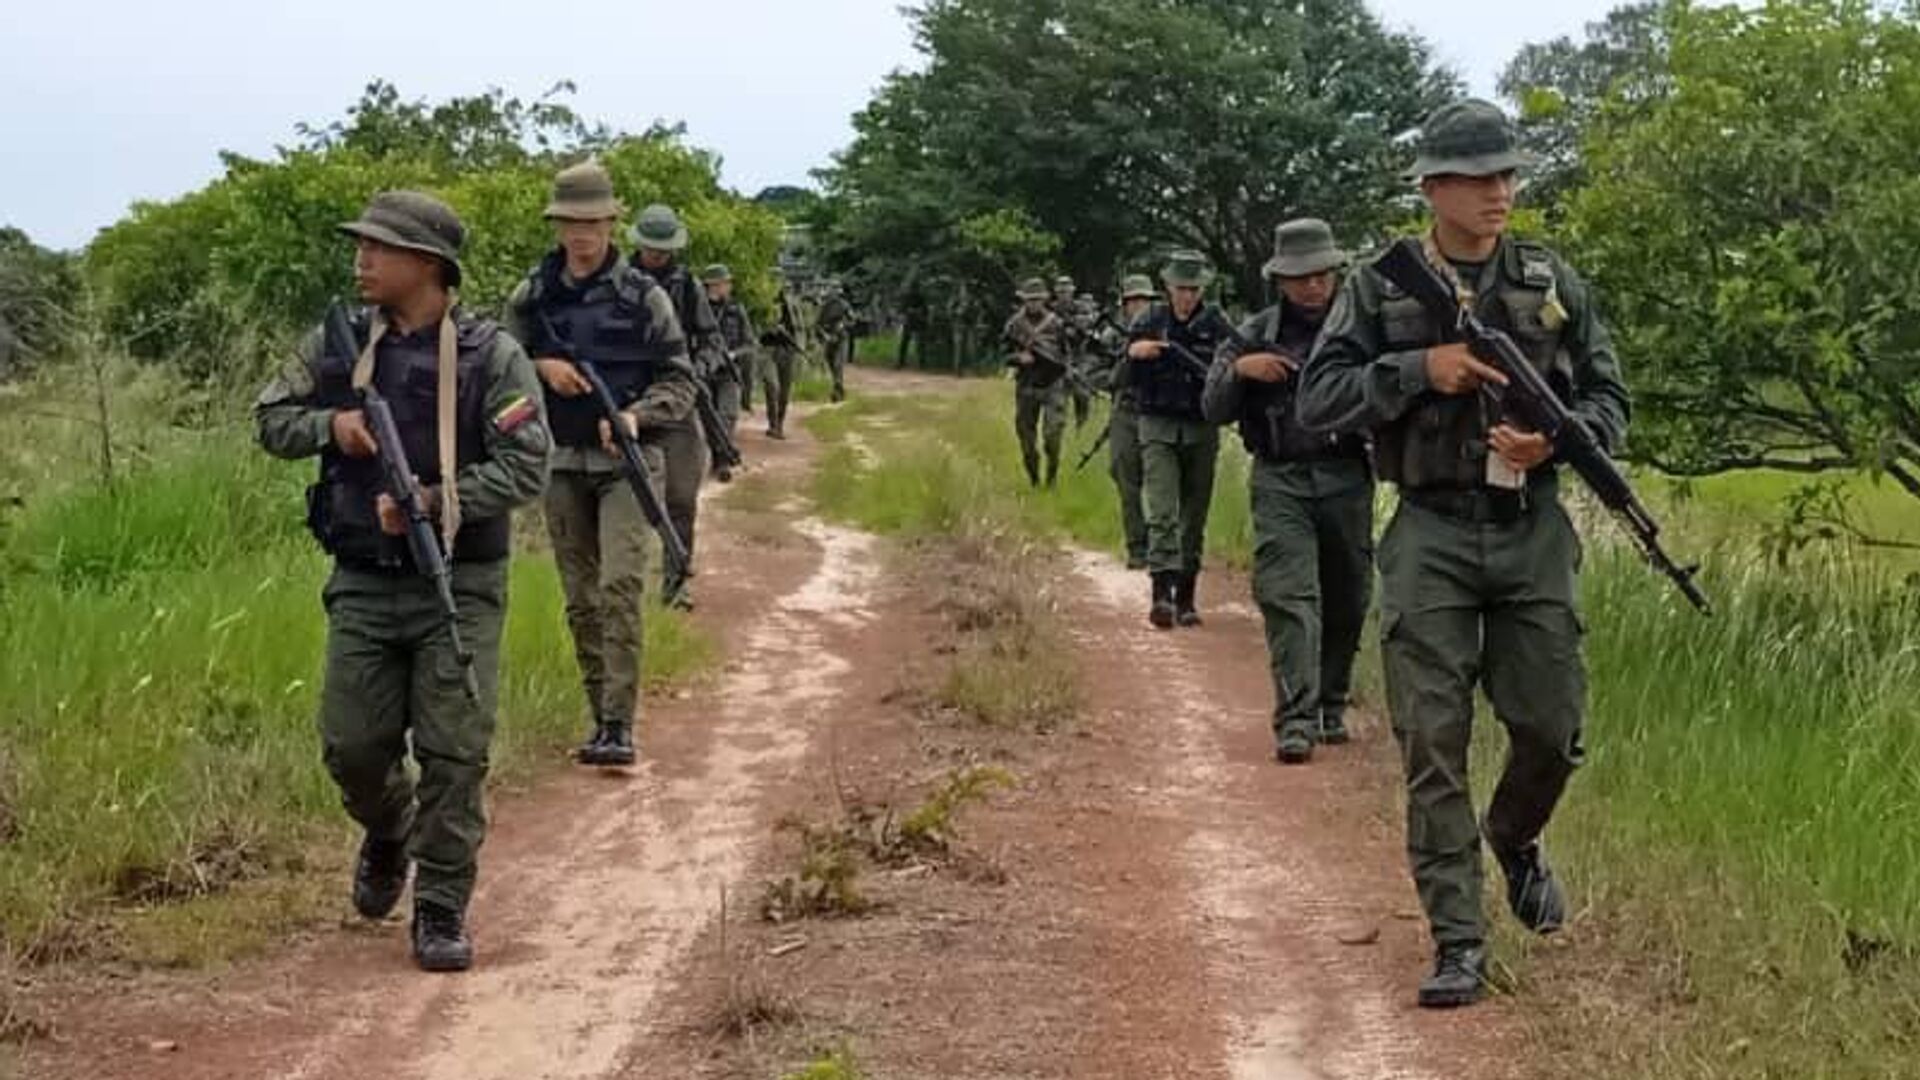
1268, 425
604, 321
1441, 442
733, 324
341, 507
1171, 385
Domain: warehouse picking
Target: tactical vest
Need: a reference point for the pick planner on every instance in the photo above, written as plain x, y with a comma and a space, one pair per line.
1441, 442
1021, 333
341, 508
733, 325
1170, 385
606, 323
1268, 425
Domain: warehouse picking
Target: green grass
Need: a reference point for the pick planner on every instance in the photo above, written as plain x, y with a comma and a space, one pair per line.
163, 642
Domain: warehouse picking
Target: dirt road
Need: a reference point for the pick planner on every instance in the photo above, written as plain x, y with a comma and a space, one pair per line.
1154, 897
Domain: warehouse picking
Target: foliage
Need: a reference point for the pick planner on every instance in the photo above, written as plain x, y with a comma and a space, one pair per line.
1757, 231
36, 289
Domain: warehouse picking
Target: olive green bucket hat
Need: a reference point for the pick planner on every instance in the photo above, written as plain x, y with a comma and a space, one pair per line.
1303, 247
659, 228
1034, 289
1137, 287
414, 222
583, 192
1468, 138
1186, 268
715, 274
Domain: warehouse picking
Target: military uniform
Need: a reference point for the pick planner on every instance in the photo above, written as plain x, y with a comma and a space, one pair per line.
1179, 448
784, 342
392, 678
736, 334
1107, 372
685, 444
1312, 503
626, 326
1478, 567
1076, 323
1039, 397
835, 323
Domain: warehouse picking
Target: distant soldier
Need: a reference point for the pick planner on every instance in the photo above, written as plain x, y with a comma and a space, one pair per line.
1033, 337
1479, 566
1312, 496
466, 404
1076, 324
835, 323
585, 301
660, 236
736, 332
1108, 372
1168, 357
784, 341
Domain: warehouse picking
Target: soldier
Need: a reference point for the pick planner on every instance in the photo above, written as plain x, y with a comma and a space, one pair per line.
784, 342
1478, 566
586, 301
1033, 338
467, 406
660, 236
1123, 422
1167, 368
1312, 497
835, 323
1076, 323
736, 333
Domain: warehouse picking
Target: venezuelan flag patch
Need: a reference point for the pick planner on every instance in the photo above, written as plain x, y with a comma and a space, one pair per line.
516, 412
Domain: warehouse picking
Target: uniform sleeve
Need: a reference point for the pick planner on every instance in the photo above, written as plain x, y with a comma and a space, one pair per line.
1350, 384
1599, 390
287, 421
1226, 393
749, 341
513, 469
669, 398
706, 345
518, 319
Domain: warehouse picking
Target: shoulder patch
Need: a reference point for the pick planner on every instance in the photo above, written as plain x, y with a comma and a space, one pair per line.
514, 413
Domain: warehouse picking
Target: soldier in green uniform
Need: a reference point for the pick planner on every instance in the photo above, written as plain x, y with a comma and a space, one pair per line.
1478, 568
659, 236
1033, 337
1123, 422
586, 301
1076, 323
784, 341
1170, 348
467, 406
1312, 497
736, 334
835, 323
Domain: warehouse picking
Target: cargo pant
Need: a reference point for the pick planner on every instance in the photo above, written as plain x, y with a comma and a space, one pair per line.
1124, 465
1312, 580
683, 447
776, 383
1466, 604
835, 351
727, 398
1178, 459
1039, 420
600, 537
391, 682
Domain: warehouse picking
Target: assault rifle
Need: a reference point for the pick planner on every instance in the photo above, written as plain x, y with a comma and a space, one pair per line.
398, 479
1529, 397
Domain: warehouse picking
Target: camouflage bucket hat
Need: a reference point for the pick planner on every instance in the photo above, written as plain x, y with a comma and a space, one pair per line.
414, 222
583, 192
716, 273
1302, 247
1137, 287
1186, 268
1468, 138
659, 228
1034, 289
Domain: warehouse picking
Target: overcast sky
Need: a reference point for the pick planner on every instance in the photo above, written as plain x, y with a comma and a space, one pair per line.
103, 102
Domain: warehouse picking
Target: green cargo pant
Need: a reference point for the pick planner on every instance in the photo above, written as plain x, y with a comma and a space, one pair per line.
392, 681
835, 351
1312, 579
684, 448
1128, 472
749, 364
1465, 604
776, 384
726, 402
1178, 458
600, 539
1039, 420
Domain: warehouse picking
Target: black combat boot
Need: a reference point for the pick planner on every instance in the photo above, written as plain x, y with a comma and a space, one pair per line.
1296, 745
1184, 589
1459, 978
588, 753
1533, 893
379, 876
1031, 463
1333, 727
440, 941
1162, 613
617, 749
1053, 472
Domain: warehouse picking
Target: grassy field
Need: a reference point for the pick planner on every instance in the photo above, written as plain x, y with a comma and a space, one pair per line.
160, 781
1742, 844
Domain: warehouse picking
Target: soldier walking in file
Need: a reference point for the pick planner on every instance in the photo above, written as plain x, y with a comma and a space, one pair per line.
1033, 337
784, 341
1108, 372
466, 408
736, 334
835, 323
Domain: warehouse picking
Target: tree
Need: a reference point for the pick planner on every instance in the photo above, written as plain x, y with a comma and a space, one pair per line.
37, 288
1756, 230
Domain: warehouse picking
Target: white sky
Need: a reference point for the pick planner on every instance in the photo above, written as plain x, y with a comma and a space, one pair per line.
103, 102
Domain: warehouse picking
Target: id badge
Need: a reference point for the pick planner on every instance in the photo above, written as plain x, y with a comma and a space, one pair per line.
1502, 475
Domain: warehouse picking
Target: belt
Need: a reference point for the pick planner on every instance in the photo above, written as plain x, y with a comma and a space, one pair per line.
1481, 506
